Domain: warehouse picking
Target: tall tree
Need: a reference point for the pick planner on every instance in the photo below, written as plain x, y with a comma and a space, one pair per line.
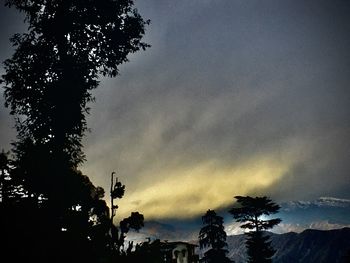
108, 239
134, 221
249, 211
213, 236
48, 83
49, 79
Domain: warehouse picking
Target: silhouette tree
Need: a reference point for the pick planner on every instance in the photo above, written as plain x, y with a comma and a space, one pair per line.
213, 236
147, 252
249, 211
134, 221
107, 238
48, 83
56, 64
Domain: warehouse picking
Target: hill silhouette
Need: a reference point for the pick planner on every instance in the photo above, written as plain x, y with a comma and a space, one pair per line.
309, 246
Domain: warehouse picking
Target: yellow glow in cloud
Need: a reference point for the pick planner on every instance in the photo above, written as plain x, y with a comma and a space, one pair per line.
185, 193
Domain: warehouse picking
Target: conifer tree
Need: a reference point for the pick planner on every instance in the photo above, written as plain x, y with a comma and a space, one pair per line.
213, 236
249, 211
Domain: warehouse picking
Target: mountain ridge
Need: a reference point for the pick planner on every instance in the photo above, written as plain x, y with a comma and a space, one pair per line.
309, 246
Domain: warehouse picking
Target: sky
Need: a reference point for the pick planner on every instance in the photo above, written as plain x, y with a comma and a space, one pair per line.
232, 98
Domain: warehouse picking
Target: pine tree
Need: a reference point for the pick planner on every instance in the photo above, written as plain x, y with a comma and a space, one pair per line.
213, 236
249, 211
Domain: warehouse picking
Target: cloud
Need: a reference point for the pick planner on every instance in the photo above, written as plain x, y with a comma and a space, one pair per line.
187, 192
232, 98
227, 101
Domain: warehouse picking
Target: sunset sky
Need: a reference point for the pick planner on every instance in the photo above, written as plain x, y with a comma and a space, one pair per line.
235, 97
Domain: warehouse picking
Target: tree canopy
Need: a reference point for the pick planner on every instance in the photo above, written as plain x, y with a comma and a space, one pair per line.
57, 63
213, 236
249, 211
47, 85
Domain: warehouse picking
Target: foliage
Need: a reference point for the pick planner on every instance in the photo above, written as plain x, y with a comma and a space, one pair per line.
259, 247
4, 172
213, 236
146, 252
249, 211
134, 221
118, 234
51, 206
49, 79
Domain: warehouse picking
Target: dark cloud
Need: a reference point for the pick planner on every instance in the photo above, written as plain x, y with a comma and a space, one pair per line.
231, 93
